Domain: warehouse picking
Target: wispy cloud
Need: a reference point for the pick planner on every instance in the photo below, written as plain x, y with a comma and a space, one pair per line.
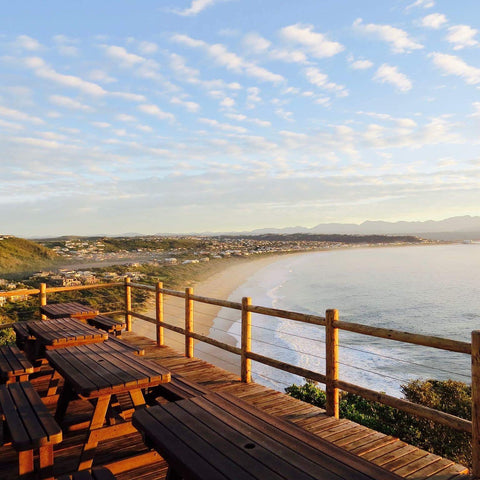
462, 36
390, 74
319, 79
156, 111
18, 115
316, 44
71, 103
453, 65
196, 7
398, 39
434, 20
27, 43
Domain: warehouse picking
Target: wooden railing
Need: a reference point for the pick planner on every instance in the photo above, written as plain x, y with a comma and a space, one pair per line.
332, 325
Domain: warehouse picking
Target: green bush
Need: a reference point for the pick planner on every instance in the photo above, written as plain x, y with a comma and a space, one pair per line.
446, 395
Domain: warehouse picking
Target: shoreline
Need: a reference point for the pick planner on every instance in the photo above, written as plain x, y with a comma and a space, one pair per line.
220, 285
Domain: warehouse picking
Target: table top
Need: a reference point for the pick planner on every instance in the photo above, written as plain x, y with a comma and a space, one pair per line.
100, 369
68, 309
220, 437
63, 332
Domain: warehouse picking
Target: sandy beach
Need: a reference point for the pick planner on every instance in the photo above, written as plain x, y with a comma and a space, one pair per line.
219, 285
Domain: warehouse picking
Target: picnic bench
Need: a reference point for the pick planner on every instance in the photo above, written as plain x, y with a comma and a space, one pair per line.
64, 332
69, 309
179, 388
99, 372
22, 334
99, 473
26, 422
14, 366
220, 437
108, 324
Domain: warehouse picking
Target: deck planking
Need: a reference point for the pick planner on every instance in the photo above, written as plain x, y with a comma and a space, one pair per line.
389, 452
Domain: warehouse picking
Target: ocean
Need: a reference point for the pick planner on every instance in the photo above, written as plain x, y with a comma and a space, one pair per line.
428, 289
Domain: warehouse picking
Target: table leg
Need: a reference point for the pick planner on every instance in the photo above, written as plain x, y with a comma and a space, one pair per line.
46, 462
53, 384
98, 419
25, 462
137, 397
172, 474
63, 400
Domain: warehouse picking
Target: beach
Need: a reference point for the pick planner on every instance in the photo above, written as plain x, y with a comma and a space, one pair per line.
219, 285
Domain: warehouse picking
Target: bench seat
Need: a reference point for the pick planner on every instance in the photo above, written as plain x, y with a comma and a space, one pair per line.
100, 473
22, 334
108, 324
26, 422
14, 366
219, 436
180, 388
123, 346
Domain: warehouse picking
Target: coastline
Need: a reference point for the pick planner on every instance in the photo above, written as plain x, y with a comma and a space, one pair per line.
220, 285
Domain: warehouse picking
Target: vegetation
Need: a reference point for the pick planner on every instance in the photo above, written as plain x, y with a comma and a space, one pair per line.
18, 254
447, 395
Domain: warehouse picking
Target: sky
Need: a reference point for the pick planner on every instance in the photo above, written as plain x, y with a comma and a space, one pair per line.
178, 116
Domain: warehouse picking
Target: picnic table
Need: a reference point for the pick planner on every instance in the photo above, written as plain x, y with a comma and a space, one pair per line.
100, 372
63, 332
68, 309
220, 437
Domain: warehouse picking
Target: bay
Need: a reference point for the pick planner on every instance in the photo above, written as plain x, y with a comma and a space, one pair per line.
429, 289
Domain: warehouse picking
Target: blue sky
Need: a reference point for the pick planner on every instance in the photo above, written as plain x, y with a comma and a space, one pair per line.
220, 115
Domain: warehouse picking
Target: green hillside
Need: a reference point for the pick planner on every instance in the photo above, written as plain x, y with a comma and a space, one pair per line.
18, 254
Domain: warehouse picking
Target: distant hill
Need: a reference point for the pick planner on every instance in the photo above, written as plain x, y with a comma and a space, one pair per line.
455, 228
17, 254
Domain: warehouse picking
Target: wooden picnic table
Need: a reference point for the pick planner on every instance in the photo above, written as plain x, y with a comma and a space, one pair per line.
100, 372
63, 332
69, 309
220, 437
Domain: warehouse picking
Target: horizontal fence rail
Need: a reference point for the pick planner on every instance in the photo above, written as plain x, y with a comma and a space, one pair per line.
332, 326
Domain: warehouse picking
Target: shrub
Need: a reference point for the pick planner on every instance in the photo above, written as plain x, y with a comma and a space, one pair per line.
446, 395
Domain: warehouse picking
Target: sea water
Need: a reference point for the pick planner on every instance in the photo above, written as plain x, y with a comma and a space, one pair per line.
428, 289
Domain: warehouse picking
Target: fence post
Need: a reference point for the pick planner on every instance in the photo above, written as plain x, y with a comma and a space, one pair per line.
43, 297
246, 369
476, 403
331, 341
159, 312
188, 322
128, 304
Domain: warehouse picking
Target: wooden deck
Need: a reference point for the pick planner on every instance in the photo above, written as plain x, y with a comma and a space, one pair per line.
388, 452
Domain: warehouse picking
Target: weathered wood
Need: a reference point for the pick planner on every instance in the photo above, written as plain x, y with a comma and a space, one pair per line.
43, 298
413, 338
128, 304
159, 313
476, 403
188, 322
246, 363
331, 363
275, 312
217, 302
69, 309
14, 366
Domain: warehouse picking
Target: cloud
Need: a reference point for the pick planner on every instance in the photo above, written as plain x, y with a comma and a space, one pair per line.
41, 69
243, 118
131, 97
397, 38
231, 61
452, 65
17, 115
188, 105
196, 7
68, 102
461, 36
319, 79
389, 74
64, 45
435, 21
222, 126
27, 43
125, 58
123, 117
179, 66
156, 112
316, 44
255, 43
101, 76
361, 64
10, 125
147, 48
422, 4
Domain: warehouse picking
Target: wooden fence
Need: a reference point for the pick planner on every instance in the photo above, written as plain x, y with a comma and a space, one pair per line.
332, 324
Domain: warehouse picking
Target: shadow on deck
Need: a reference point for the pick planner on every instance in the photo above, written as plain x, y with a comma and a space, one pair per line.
388, 452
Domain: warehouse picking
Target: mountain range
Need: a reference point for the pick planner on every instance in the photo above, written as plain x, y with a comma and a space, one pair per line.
455, 228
